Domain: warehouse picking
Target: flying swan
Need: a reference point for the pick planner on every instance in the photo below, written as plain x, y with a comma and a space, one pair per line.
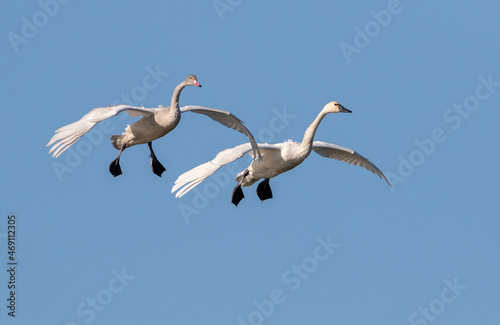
154, 124
276, 159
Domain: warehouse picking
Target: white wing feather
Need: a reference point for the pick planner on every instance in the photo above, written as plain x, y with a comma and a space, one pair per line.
190, 179
67, 135
347, 155
195, 176
227, 119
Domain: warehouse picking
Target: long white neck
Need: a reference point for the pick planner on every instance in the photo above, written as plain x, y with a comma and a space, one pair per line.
174, 105
308, 139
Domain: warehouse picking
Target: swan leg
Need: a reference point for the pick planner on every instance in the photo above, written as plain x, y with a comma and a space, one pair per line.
237, 195
114, 167
264, 190
156, 166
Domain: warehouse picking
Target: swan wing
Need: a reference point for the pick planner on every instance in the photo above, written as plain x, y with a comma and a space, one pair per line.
347, 155
190, 179
227, 119
67, 135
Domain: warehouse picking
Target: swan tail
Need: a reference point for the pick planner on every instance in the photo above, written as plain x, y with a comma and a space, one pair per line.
116, 140
239, 177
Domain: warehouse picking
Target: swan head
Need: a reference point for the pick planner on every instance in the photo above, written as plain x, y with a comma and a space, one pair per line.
334, 107
191, 80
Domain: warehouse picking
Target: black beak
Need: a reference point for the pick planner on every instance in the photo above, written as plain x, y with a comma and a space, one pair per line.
344, 110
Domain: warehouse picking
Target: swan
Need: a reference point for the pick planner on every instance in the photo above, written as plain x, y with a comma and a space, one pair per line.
276, 159
154, 124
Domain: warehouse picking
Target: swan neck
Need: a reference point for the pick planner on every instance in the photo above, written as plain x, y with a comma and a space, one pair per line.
308, 139
175, 97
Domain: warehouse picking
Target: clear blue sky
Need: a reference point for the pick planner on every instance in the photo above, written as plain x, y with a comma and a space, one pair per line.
336, 245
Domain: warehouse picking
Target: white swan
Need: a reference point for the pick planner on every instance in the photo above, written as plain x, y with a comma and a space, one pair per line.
155, 123
276, 159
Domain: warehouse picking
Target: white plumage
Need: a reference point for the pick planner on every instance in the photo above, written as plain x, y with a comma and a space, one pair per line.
154, 124
276, 159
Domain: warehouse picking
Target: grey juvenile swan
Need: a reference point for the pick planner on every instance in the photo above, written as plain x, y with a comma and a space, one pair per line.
154, 124
276, 159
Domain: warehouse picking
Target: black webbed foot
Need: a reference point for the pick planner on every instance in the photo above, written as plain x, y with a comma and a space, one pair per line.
156, 166
114, 167
237, 195
264, 190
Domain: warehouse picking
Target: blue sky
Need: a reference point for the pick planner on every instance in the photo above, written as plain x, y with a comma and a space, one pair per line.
336, 245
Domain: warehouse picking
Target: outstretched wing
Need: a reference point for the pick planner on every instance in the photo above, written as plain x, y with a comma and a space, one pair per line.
67, 135
195, 176
190, 179
349, 156
227, 119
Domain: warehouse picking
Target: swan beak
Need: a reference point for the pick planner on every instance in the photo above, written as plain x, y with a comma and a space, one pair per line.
196, 83
344, 110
